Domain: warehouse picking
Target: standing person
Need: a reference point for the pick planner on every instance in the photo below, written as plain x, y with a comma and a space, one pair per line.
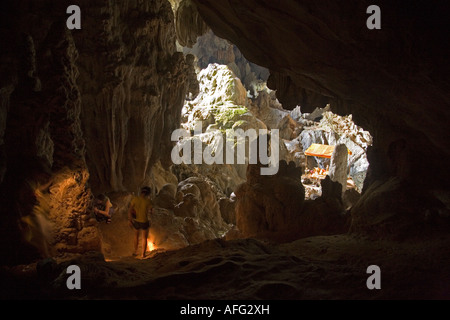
140, 209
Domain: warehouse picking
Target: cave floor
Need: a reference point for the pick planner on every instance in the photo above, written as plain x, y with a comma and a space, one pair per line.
318, 268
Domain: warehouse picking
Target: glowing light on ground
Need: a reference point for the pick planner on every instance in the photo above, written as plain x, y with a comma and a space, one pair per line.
150, 245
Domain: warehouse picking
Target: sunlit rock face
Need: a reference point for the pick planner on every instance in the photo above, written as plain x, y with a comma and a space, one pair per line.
391, 80
81, 112
221, 105
211, 49
220, 90
268, 109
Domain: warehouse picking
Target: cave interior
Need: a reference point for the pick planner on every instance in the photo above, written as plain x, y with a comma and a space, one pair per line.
93, 110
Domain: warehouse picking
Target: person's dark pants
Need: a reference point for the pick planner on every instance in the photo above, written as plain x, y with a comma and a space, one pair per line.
140, 225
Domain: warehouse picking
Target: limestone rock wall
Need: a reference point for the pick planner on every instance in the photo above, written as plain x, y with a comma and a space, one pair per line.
81, 112
189, 24
133, 84
43, 147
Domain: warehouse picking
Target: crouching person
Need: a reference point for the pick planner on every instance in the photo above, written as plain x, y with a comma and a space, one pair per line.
103, 208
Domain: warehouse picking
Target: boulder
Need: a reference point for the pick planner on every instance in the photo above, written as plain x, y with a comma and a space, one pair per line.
267, 206
207, 207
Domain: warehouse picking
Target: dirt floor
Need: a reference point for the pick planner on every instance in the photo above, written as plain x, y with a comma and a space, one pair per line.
322, 268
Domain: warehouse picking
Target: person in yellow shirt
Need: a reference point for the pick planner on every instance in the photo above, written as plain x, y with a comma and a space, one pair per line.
138, 213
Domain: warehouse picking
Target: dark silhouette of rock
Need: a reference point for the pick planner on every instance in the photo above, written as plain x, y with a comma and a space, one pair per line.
338, 165
193, 85
269, 204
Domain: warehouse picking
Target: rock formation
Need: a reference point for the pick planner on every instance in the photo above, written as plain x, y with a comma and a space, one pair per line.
221, 105
143, 87
189, 25
193, 85
338, 165
211, 49
269, 206
291, 95
274, 207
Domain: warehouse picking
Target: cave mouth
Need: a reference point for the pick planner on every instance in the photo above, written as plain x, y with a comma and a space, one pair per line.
227, 91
